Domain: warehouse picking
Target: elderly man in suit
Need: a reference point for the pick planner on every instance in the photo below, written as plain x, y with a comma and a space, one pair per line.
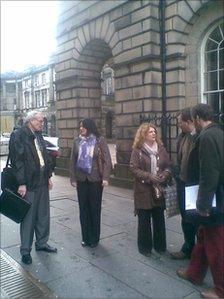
29, 160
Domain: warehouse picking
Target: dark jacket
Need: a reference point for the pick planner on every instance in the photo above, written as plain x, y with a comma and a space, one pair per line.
95, 175
187, 159
24, 157
140, 165
211, 176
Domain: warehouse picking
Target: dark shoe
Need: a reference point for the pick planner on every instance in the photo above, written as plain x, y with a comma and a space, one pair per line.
161, 251
27, 259
183, 274
180, 255
84, 244
210, 294
93, 245
47, 248
147, 254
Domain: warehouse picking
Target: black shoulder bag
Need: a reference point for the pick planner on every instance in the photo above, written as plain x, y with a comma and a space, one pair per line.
8, 179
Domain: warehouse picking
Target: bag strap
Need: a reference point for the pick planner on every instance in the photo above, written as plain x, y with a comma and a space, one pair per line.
7, 162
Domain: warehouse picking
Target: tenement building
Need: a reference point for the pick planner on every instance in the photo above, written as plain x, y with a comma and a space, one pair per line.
164, 55
26, 91
10, 95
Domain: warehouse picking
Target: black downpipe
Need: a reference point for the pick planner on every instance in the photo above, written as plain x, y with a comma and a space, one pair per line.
162, 6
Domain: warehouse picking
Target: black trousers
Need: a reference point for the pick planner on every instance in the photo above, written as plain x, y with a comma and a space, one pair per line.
90, 200
189, 228
145, 239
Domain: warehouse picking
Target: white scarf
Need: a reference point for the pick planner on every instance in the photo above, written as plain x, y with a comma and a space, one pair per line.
153, 151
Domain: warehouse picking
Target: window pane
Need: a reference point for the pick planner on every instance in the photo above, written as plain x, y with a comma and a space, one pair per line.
211, 45
211, 61
221, 46
222, 102
221, 59
221, 79
213, 100
216, 35
211, 82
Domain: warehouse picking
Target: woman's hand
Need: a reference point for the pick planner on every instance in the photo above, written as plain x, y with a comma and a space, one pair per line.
164, 176
105, 183
155, 179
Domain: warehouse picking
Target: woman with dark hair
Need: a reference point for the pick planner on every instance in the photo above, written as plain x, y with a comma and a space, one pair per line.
90, 168
150, 165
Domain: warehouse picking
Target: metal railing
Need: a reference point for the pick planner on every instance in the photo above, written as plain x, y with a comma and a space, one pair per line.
170, 130
168, 124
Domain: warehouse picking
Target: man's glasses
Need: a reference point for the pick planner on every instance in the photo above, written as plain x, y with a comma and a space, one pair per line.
39, 121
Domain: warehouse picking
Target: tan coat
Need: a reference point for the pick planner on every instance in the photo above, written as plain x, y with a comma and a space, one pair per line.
140, 165
94, 176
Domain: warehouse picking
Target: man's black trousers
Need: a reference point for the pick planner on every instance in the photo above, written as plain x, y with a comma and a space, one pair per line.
189, 228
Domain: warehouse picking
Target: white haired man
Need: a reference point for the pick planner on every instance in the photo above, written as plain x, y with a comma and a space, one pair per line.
29, 160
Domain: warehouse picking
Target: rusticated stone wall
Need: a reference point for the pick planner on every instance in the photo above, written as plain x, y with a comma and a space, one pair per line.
127, 33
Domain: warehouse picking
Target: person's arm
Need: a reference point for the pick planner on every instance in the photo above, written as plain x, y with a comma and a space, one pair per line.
166, 173
142, 175
72, 165
17, 157
209, 166
107, 161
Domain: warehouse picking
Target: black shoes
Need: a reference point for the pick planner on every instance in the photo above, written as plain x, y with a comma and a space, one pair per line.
27, 259
93, 245
84, 244
145, 253
46, 248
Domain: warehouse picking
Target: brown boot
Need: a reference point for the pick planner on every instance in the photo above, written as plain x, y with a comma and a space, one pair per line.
180, 255
182, 273
210, 294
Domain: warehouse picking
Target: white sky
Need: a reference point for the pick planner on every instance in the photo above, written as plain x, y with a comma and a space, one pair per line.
28, 31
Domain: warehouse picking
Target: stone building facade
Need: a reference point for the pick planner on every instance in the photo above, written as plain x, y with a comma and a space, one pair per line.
163, 53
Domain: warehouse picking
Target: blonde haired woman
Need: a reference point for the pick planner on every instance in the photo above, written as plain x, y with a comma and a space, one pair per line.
150, 165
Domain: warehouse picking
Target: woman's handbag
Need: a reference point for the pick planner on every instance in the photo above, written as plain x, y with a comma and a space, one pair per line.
171, 200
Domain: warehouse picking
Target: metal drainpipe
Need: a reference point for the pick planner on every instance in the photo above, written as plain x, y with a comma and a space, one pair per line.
162, 5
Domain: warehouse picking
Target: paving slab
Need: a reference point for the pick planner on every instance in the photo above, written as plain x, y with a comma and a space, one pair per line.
115, 268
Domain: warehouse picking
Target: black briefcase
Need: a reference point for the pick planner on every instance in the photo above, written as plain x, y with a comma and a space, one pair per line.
13, 206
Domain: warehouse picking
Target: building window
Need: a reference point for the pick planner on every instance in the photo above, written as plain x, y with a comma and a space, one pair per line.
107, 77
26, 83
10, 87
213, 73
43, 78
109, 124
27, 100
44, 97
36, 80
37, 99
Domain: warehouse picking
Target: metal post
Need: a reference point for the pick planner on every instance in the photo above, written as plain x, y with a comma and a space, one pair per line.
162, 4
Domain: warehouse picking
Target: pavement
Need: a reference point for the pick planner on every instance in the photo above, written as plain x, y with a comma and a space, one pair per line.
114, 269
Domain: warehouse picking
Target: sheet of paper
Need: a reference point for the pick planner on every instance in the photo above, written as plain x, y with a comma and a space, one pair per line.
191, 194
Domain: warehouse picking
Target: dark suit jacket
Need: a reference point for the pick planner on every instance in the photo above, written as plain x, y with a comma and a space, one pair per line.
211, 176
24, 157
